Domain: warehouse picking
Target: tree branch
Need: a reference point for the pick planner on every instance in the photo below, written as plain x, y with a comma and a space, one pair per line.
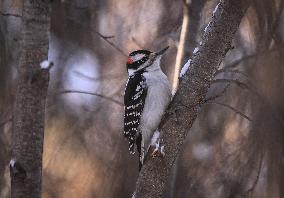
10, 14
136, 42
234, 71
216, 41
220, 94
89, 93
235, 81
251, 189
246, 58
231, 108
106, 38
253, 89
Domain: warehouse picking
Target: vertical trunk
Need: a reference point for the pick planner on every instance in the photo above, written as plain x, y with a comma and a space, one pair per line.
216, 42
28, 128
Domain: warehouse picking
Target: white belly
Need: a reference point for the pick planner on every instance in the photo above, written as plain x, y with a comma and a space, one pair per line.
157, 100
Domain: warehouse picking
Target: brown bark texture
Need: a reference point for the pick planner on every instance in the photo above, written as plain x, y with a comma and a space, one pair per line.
183, 110
29, 109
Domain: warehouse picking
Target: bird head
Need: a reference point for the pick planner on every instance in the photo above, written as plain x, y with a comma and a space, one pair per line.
144, 60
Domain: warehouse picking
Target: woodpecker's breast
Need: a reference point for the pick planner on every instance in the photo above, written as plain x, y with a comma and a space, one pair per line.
157, 100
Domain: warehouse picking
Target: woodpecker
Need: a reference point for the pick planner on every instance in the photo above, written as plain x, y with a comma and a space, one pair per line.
147, 95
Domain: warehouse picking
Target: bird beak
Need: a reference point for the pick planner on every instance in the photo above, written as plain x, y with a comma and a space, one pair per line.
161, 52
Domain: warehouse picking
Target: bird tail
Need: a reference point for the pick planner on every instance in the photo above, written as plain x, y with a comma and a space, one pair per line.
140, 150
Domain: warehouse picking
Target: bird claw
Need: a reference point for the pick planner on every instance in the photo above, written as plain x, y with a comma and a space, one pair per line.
159, 150
156, 150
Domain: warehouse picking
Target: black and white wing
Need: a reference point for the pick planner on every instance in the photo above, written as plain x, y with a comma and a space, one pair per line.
134, 99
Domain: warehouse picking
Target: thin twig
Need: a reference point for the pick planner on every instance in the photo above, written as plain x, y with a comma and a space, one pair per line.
226, 70
10, 14
253, 90
231, 108
251, 189
219, 94
248, 57
89, 93
106, 38
109, 76
136, 42
235, 81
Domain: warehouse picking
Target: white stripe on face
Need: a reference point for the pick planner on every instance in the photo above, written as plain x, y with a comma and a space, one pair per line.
137, 57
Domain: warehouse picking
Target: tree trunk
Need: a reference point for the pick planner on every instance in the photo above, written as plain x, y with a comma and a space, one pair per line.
29, 110
216, 42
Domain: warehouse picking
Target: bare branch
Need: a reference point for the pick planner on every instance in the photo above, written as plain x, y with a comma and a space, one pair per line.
106, 38
236, 63
248, 57
101, 77
89, 93
136, 42
235, 71
231, 108
251, 189
255, 91
10, 14
235, 81
218, 95
182, 44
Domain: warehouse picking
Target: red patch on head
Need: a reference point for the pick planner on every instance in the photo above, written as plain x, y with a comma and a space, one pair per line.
129, 60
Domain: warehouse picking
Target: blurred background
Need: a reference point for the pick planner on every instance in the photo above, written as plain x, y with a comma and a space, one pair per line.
234, 149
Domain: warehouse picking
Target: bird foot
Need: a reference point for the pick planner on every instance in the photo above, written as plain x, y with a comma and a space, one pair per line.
158, 151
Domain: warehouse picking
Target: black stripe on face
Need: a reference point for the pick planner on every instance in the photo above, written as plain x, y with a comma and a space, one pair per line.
135, 65
146, 52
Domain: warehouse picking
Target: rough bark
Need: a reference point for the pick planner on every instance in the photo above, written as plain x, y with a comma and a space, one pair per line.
29, 109
190, 96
